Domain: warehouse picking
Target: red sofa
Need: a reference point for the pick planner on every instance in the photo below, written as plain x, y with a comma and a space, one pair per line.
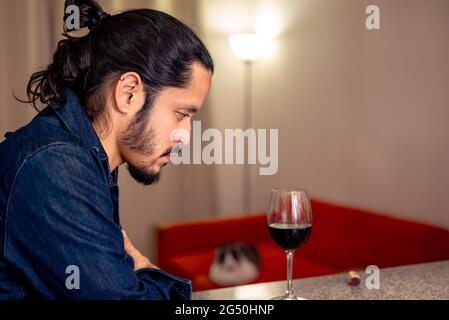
342, 239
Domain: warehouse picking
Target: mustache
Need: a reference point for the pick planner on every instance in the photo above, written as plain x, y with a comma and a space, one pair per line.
167, 152
173, 150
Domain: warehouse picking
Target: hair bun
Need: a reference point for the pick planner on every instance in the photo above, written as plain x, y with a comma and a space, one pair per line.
90, 12
95, 23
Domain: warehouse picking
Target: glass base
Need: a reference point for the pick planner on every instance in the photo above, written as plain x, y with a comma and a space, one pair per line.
287, 297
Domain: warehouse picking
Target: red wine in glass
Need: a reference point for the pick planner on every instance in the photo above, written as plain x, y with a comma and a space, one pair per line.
290, 236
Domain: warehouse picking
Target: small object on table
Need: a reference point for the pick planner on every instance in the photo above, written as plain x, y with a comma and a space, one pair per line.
353, 278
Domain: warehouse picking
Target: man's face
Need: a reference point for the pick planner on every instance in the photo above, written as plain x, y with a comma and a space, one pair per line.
146, 145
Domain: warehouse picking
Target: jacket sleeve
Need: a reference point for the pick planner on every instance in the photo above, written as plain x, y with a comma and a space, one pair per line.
61, 237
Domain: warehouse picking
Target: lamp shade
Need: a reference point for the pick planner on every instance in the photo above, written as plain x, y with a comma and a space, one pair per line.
249, 46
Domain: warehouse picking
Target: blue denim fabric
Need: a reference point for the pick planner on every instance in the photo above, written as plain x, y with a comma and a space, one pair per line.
59, 208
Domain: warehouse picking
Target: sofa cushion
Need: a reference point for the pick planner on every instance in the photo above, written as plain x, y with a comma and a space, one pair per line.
274, 264
351, 238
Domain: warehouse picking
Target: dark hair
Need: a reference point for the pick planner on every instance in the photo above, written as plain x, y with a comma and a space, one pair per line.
158, 47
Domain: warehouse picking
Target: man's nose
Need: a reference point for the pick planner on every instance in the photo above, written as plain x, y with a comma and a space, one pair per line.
181, 135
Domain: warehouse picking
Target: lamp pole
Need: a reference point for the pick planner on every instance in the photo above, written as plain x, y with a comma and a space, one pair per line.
248, 47
248, 120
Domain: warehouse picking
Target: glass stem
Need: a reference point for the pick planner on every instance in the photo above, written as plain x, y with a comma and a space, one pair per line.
289, 272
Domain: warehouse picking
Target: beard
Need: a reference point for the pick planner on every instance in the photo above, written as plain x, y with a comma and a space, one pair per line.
141, 140
145, 177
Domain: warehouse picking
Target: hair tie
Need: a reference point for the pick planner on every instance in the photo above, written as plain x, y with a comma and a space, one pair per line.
96, 23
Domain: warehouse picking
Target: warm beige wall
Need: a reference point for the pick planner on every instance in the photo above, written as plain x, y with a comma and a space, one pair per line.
363, 115
23, 47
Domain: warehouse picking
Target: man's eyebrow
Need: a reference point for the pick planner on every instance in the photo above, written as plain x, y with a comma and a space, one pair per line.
190, 108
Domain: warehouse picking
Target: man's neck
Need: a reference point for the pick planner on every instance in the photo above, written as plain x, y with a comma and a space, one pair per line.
110, 146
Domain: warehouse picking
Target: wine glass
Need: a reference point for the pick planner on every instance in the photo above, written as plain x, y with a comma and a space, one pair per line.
290, 225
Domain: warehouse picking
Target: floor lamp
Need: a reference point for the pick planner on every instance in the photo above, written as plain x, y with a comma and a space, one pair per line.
248, 47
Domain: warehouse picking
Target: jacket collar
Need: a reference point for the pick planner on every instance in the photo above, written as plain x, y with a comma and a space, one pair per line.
75, 118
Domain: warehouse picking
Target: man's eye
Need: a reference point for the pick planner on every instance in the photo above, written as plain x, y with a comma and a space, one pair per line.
181, 115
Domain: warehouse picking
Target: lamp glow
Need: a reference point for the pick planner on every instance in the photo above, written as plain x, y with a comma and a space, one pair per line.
250, 46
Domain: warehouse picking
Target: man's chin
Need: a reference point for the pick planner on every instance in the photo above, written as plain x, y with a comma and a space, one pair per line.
146, 178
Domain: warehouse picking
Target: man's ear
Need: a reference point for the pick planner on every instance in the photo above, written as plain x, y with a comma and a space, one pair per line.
129, 94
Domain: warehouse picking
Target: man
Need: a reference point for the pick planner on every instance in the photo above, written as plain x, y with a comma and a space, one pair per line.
114, 96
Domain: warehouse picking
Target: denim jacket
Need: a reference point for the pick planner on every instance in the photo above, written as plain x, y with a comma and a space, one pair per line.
60, 234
